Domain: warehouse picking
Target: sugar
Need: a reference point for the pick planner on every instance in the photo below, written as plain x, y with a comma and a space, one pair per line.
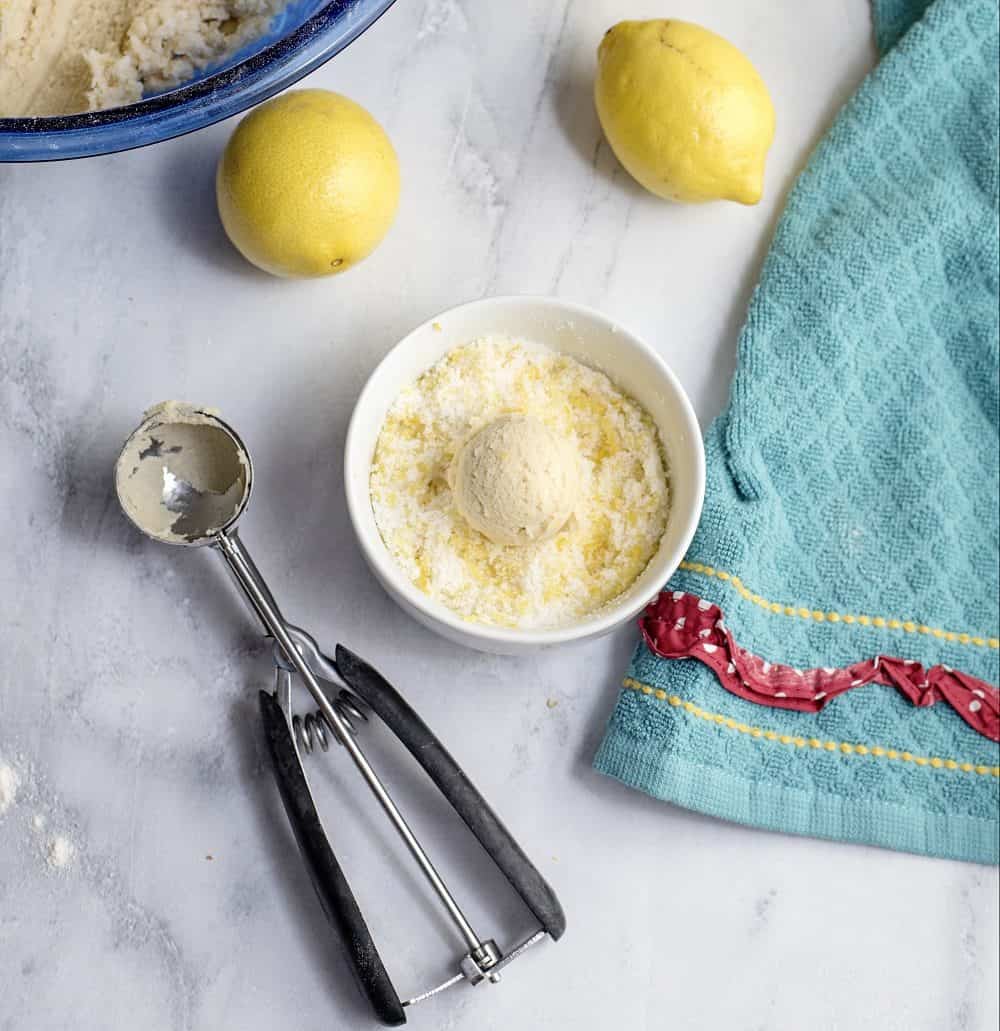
60, 852
10, 781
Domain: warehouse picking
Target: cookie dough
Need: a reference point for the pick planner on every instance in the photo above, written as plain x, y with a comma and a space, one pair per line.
61, 57
516, 481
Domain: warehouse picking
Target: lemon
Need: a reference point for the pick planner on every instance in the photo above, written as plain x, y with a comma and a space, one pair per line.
308, 184
684, 111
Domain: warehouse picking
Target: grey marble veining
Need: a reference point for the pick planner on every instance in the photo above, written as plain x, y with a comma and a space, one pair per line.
128, 671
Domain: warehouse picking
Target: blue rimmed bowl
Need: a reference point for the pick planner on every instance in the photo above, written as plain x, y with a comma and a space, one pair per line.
300, 38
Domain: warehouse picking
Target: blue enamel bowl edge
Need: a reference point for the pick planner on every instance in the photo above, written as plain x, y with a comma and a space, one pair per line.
293, 47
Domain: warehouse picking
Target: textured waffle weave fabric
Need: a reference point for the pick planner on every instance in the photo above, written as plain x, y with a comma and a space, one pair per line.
852, 500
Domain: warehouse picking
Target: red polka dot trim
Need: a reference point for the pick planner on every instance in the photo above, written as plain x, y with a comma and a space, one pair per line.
677, 625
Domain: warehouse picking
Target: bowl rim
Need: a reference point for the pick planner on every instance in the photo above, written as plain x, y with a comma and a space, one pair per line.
188, 108
385, 567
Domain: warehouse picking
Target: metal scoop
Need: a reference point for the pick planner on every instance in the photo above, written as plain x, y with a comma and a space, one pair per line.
185, 477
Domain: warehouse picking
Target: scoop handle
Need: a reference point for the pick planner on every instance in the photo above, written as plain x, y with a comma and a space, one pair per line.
450, 779
335, 895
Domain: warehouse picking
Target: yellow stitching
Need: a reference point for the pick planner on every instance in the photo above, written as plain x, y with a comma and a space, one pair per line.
817, 615
843, 747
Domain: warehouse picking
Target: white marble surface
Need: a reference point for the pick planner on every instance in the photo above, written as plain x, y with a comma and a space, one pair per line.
128, 671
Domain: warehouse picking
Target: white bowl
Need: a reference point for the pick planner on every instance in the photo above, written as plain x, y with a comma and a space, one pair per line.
593, 339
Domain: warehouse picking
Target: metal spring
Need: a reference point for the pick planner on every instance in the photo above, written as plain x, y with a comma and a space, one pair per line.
312, 729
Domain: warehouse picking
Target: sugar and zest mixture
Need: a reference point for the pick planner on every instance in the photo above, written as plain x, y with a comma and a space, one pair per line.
614, 532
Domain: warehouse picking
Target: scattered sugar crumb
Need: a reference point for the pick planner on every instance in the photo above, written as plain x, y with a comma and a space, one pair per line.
60, 852
436, 326
10, 781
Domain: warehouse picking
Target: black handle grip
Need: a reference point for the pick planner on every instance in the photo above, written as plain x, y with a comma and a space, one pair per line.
456, 787
328, 878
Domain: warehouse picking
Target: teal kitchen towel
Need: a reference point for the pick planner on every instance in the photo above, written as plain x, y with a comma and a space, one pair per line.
833, 632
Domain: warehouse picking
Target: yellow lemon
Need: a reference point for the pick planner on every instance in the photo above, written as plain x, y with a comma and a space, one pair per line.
684, 111
308, 184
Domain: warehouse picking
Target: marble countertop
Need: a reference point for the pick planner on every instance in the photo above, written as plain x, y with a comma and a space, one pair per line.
147, 874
